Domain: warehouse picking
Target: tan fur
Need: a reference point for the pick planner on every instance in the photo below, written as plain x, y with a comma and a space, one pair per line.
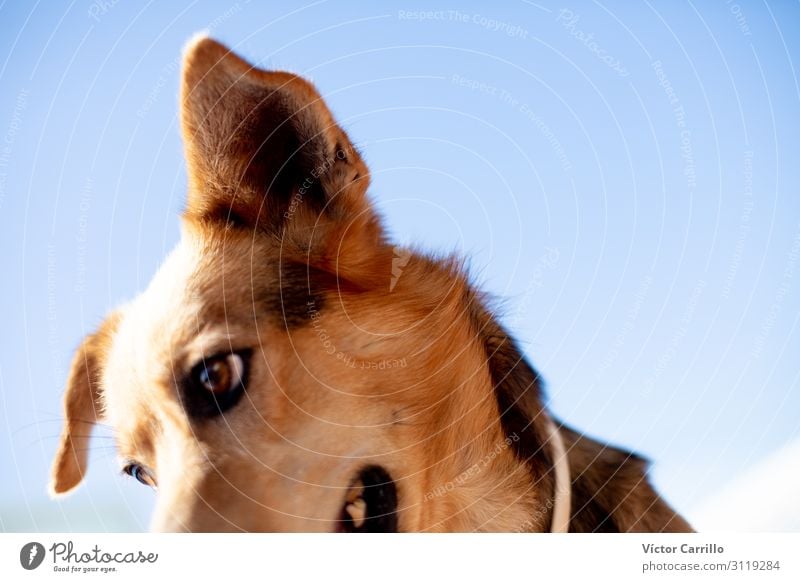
81, 408
351, 365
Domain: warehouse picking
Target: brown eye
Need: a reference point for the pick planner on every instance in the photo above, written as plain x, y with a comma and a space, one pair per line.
216, 383
221, 373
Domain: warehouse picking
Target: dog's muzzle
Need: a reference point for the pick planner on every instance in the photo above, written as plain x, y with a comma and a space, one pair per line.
370, 505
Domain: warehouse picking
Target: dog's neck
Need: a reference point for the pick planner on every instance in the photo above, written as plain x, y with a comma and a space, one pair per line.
500, 493
539, 451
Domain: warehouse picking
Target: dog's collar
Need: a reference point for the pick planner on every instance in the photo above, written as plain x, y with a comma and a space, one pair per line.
562, 497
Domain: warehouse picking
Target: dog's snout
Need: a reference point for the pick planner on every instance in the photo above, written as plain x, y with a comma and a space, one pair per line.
241, 498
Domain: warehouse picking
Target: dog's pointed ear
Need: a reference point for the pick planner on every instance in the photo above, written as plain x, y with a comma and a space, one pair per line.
81, 406
263, 150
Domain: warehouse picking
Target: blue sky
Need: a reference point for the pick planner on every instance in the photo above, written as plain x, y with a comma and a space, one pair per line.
623, 177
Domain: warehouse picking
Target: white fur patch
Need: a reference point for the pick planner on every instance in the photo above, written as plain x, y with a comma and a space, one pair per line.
149, 328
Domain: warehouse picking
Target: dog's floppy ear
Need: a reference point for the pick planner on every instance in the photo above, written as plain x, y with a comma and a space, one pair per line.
81, 409
611, 491
610, 488
263, 150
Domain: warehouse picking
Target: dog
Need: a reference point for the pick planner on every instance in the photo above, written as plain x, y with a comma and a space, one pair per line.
289, 369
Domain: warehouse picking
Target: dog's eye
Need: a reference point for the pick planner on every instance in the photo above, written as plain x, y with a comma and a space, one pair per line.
215, 384
221, 373
141, 474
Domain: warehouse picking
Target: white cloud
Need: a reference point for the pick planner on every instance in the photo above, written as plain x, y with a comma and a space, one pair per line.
765, 498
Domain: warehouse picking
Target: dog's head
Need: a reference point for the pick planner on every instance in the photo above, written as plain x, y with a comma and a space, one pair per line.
287, 368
